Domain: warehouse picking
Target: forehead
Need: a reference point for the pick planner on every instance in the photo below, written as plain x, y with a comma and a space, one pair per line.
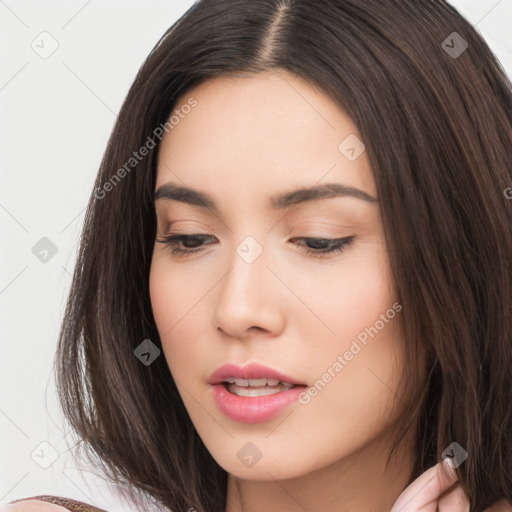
270, 129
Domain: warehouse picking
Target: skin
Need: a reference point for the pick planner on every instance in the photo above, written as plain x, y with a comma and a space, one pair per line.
248, 138
33, 506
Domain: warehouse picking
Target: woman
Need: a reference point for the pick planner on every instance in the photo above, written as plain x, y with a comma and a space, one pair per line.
303, 209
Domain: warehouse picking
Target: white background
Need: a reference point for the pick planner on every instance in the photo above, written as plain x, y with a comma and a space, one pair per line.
56, 115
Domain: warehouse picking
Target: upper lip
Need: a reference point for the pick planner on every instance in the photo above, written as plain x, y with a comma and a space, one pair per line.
250, 371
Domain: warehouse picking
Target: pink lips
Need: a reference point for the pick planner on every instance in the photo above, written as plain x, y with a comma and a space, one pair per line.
252, 409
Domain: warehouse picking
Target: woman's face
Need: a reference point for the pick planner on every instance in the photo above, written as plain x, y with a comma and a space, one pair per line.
251, 292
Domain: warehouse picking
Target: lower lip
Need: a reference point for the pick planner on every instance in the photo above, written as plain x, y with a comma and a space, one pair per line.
255, 409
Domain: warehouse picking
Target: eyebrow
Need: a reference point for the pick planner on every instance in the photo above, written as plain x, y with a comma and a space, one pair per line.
174, 192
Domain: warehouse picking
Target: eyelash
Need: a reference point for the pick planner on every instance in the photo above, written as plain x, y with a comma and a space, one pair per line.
337, 245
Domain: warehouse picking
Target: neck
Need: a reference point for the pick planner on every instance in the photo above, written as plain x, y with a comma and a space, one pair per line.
357, 482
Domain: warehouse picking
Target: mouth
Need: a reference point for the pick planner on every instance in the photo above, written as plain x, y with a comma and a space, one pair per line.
254, 393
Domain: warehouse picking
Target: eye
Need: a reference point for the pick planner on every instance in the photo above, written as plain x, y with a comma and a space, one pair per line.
325, 246
316, 247
191, 242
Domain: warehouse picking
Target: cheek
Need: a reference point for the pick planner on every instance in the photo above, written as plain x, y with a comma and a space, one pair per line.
354, 390
355, 372
173, 294
177, 301
348, 297
163, 300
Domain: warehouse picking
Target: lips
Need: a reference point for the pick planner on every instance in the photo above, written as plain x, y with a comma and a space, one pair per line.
254, 393
252, 371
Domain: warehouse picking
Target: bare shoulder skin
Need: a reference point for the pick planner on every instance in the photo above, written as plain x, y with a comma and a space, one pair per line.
32, 506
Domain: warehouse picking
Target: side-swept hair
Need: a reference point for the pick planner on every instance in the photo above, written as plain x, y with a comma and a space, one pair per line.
436, 119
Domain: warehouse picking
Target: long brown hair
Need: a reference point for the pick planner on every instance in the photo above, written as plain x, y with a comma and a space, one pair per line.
434, 108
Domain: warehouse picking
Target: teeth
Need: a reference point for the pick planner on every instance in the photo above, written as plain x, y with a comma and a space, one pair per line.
243, 390
254, 392
252, 382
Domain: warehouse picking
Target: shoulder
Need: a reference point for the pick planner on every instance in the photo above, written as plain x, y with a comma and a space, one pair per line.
32, 505
46, 503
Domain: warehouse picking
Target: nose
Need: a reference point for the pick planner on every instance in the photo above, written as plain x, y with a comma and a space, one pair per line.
250, 297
